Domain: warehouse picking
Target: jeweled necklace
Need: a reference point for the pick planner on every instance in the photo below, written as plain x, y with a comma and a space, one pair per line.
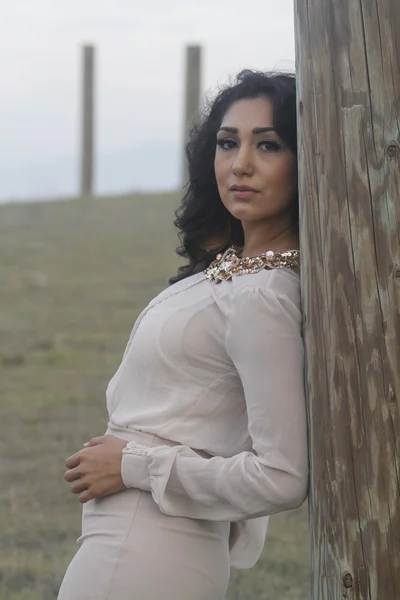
231, 263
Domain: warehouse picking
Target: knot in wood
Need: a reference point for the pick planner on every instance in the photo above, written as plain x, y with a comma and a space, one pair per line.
301, 107
392, 149
347, 581
397, 273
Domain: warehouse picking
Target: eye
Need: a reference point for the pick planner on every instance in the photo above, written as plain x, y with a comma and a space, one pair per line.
226, 144
269, 146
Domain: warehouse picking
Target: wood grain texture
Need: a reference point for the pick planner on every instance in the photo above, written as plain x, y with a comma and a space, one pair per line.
348, 65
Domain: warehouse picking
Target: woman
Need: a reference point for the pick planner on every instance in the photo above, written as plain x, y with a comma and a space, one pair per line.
207, 422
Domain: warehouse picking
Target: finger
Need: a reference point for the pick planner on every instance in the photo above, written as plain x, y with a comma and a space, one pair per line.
95, 441
80, 486
72, 461
86, 496
72, 475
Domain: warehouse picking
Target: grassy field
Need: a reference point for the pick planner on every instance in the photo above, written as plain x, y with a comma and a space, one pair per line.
74, 276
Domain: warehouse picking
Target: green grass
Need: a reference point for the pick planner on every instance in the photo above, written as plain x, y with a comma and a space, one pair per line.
74, 275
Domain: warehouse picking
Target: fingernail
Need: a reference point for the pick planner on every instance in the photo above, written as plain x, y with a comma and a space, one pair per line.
85, 444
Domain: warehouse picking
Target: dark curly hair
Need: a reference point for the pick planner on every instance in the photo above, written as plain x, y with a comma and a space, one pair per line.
205, 226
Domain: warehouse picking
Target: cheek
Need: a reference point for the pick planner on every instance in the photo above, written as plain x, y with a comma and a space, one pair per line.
222, 175
221, 169
285, 175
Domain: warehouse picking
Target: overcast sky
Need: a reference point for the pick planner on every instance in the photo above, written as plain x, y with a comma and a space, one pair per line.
140, 66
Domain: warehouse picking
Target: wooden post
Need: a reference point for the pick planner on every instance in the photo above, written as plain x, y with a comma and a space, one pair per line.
348, 57
87, 125
192, 95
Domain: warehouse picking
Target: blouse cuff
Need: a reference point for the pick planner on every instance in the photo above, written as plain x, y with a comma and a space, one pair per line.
134, 467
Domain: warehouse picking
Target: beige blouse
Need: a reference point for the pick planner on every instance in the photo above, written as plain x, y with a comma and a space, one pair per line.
218, 368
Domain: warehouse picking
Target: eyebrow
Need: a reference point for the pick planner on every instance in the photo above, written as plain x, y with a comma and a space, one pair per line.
256, 130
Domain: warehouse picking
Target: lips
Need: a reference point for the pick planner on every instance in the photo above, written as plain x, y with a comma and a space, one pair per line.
243, 192
242, 188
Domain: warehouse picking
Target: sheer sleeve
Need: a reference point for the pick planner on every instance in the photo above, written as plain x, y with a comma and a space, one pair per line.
263, 340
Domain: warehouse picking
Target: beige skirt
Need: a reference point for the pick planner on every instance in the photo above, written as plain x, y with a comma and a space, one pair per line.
129, 550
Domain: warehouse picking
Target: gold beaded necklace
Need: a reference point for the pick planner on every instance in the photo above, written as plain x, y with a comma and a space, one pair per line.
231, 263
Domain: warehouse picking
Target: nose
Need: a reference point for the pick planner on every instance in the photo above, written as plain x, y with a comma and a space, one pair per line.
243, 162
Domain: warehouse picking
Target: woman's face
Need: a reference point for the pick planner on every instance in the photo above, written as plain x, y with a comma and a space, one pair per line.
256, 172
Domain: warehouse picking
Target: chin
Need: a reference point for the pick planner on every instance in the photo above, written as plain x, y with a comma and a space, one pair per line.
245, 213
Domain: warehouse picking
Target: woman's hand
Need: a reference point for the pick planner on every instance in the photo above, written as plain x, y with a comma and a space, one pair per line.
96, 469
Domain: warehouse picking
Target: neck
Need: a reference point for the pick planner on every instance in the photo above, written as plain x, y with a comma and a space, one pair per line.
262, 236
